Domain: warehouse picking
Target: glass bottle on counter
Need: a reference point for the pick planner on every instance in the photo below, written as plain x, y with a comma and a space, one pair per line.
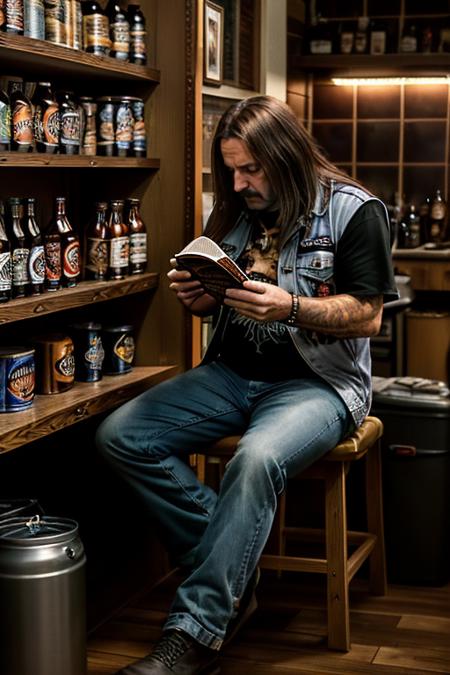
361, 35
95, 29
21, 118
414, 239
119, 252
438, 219
36, 259
424, 213
119, 31
138, 237
5, 259
377, 37
97, 245
138, 35
45, 119
20, 251
408, 42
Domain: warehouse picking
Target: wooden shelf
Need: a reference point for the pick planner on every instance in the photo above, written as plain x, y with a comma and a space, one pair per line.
54, 412
19, 54
85, 293
382, 64
33, 160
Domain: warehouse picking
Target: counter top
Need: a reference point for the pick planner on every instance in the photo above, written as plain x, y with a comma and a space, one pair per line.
422, 253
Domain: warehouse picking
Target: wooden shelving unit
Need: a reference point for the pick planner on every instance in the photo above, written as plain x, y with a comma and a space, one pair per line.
369, 64
55, 412
33, 160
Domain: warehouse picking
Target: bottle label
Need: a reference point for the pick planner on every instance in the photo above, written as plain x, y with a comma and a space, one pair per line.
138, 47
97, 256
120, 36
124, 348
96, 34
14, 16
5, 123
119, 252
34, 19
55, 26
66, 366
138, 247
50, 123
378, 42
139, 134
320, 46
5, 271
106, 124
72, 260
36, 265
70, 128
124, 126
22, 119
20, 266
53, 260
438, 211
95, 354
409, 43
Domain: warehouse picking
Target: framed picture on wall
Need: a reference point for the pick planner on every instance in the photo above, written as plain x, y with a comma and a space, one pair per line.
213, 43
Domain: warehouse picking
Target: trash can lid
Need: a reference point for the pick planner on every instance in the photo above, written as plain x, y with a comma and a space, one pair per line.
36, 529
415, 391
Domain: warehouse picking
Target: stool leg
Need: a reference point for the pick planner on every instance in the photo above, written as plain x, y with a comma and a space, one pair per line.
374, 496
336, 551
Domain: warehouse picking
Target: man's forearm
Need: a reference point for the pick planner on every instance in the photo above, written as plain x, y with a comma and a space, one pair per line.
341, 315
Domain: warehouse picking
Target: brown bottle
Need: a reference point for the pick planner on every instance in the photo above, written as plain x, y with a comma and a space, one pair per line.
97, 245
53, 259
36, 259
438, 219
138, 238
45, 119
5, 260
138, 35
95, 29
70, 246
119, 252
19, 250
21, 117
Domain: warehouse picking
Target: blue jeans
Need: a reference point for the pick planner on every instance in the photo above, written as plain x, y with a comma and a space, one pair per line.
285, 427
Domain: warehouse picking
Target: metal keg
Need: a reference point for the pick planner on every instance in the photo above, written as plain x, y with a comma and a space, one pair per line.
42, 597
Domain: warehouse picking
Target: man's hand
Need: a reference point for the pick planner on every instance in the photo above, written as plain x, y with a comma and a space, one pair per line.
260, 301
190, 291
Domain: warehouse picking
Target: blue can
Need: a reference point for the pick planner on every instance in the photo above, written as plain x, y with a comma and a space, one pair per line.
17, 378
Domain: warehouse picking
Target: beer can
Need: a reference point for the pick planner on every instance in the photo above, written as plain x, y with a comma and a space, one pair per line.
119, 348
105, 126
17, 378
123, 126
89, 352
55, 363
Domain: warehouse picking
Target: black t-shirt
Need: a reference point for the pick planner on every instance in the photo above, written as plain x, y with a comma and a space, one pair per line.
265, 351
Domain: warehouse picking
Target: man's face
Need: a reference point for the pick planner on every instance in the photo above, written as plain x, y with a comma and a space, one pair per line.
249, 178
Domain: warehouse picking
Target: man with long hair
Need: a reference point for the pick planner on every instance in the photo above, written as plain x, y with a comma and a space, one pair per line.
287, 369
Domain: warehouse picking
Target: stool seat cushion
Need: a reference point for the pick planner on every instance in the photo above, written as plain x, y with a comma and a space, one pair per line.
356, 445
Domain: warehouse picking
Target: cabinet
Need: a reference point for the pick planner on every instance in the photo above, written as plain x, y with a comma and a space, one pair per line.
52, 450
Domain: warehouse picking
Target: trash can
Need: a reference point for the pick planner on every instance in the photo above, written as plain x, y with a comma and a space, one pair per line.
42, 597
416, 478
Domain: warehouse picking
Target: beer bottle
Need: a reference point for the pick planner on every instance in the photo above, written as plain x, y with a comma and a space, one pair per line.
438, 219
20, 251
138, 35
14, 16
119, 251
45, 119
53, 259
70, 245
5, 121
97, 245
36, 259
138, 238
95, 29
70, 124
5, 259
22, 118
413, 227
119, 31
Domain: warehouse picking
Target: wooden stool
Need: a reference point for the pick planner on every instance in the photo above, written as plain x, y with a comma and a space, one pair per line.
337, 565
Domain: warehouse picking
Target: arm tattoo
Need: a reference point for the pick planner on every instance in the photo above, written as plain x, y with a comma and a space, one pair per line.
341, 315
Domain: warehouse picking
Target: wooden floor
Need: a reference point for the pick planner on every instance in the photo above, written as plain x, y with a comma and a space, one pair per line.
406, 632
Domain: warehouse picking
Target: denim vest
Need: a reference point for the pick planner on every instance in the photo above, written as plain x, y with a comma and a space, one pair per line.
344, 363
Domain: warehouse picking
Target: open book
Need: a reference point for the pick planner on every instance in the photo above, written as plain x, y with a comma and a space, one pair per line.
208, 263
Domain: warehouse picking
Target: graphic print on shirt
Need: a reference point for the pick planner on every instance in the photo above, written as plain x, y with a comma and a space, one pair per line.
260, 262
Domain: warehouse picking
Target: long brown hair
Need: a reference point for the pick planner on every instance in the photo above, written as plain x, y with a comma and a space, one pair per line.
290, 158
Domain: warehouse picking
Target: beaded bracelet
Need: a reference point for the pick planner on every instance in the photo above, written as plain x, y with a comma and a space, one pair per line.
292, 318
